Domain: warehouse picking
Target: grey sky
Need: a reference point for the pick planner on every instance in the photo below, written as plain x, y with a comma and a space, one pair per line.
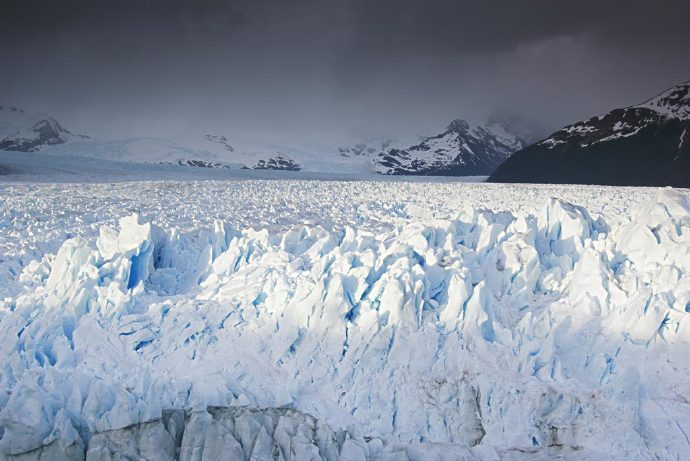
320, 70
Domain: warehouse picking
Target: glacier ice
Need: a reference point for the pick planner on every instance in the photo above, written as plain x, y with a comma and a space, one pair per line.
490, 335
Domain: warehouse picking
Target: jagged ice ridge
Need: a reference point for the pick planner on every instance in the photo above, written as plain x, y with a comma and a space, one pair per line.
488, 335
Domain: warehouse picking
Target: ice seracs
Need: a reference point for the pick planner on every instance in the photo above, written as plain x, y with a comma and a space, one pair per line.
490, 334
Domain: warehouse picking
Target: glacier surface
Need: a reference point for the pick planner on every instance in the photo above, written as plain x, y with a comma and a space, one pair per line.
332, 320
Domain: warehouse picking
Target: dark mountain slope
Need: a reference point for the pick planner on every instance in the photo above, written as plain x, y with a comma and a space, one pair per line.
643, 145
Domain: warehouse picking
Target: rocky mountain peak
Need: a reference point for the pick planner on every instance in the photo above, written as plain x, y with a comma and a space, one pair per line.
674, 102
458, 126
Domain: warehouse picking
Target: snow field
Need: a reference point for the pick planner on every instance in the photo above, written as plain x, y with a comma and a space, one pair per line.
405, 320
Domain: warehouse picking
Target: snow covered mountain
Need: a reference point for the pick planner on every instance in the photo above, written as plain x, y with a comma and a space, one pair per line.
22, 131
26, 132
461, 150
646, 144
195, 151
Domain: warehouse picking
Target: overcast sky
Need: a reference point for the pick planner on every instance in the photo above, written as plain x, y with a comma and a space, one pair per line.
316, 70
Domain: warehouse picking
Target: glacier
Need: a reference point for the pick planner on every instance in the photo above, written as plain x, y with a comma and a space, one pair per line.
480, 333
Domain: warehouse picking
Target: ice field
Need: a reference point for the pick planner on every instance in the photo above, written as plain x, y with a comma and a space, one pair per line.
354, 320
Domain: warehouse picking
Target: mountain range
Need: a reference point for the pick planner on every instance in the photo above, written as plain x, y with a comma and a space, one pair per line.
459, 150
647, 144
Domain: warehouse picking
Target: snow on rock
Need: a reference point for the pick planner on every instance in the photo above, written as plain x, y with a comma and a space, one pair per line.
485, 336
461, 150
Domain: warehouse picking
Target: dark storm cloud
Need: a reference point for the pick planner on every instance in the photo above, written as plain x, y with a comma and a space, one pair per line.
461, 27
308, 69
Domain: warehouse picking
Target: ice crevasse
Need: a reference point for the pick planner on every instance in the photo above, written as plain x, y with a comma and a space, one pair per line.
484, 337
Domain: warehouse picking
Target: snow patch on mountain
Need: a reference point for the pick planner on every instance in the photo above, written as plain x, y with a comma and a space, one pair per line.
674, 102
